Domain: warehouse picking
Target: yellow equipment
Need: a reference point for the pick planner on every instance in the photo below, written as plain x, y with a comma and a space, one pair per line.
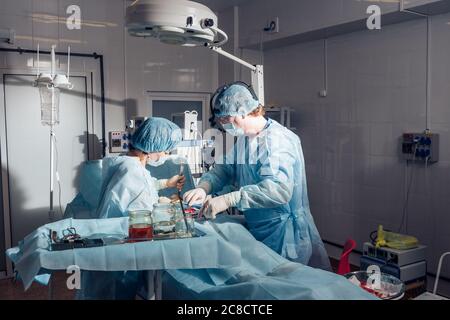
395, 240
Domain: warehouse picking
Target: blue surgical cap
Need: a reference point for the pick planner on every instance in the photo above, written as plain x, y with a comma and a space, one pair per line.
156, 135
235, 100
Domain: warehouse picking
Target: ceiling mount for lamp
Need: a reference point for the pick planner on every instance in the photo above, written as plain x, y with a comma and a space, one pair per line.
178, 22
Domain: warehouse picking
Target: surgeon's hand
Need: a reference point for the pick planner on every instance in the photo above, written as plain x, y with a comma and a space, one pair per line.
176, 182
195, 196
214, 206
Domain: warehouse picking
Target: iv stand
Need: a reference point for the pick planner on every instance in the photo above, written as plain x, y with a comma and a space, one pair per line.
52, 85
51, 212
53, 82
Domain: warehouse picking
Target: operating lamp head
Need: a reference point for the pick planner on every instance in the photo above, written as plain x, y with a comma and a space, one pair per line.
176, 22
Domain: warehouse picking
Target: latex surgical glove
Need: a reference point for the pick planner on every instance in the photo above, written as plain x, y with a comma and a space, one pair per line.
195, 197
214, 206
174, 182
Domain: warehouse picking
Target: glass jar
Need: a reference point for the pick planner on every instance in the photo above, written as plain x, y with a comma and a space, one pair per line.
163, 219
140, 225
180, 226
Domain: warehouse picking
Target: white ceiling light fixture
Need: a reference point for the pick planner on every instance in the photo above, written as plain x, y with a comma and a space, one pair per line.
185, 23
175, 22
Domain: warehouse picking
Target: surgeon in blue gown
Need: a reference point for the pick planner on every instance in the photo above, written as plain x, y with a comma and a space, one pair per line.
266, 168
128, 185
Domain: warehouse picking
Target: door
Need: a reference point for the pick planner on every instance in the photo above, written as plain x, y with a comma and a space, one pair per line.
2, 227
172, 106
174, 110
28, 151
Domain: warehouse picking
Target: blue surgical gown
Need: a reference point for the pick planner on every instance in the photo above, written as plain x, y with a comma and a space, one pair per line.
85, 204
126, 186
269, 172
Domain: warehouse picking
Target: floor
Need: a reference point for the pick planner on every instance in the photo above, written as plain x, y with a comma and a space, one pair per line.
14, 290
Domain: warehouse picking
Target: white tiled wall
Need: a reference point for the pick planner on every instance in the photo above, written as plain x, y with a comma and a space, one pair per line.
227, 66
376, 90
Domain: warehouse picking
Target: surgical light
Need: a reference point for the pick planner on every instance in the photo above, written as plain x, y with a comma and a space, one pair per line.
185, 23
176, 22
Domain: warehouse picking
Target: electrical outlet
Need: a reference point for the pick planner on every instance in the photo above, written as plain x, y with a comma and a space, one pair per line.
420, 147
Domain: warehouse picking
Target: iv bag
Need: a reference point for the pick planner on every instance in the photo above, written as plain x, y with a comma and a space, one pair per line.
49, 105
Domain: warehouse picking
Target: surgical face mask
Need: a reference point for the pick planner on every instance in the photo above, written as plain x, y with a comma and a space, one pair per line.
233, 130
156, 163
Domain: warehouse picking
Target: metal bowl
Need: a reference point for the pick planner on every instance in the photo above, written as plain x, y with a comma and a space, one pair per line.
391, 288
